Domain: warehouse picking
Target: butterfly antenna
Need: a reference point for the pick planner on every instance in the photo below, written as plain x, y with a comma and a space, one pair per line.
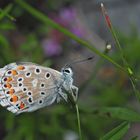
79, 61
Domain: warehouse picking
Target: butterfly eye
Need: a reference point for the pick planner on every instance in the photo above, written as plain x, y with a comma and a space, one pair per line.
67, 71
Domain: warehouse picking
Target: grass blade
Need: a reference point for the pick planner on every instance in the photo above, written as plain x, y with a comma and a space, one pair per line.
78, 120
120, 113
5, 12
135, 138
117, 133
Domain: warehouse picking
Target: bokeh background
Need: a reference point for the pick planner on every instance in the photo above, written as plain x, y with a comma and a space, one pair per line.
24, 38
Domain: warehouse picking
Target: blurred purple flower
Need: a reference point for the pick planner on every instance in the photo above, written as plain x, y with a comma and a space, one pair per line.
57, 19
68, 18
77, 31
68, 14
51, 47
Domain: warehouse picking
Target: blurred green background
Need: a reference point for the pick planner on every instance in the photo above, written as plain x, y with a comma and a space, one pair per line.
24, 38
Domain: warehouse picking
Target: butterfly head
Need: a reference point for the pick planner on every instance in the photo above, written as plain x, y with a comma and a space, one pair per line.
67, 71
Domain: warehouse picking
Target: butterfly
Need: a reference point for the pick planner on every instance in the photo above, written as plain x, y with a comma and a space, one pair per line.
26, 87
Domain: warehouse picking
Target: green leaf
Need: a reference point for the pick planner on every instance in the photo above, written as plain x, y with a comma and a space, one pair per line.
5, 49
7, 26
30, 43
117, 133
10, 119
134, 138
5, 12
3, 41
120, 113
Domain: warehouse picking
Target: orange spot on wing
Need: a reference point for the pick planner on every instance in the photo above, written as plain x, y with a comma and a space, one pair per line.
14, 99
20, 67
14, 72
22, 105
9, 79
7, 85
11, 91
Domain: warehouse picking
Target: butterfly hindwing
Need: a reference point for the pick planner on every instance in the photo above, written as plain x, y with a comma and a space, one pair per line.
26, 86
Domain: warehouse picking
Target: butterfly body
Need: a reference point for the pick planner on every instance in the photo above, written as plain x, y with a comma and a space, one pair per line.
26, 87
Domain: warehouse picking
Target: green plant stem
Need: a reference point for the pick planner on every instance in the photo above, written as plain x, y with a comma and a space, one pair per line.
137, 94
4, 12
78, 121
126, 64
118, 45
73, 101
128, 69
111, 28
44, 18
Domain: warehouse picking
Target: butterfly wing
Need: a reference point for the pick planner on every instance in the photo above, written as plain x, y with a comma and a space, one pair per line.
27, 87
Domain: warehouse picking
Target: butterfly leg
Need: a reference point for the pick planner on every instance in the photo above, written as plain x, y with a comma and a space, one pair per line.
74, 92
72, 95
61, 95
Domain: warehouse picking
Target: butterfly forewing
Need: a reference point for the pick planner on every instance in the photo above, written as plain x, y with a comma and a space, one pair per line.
27, 86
